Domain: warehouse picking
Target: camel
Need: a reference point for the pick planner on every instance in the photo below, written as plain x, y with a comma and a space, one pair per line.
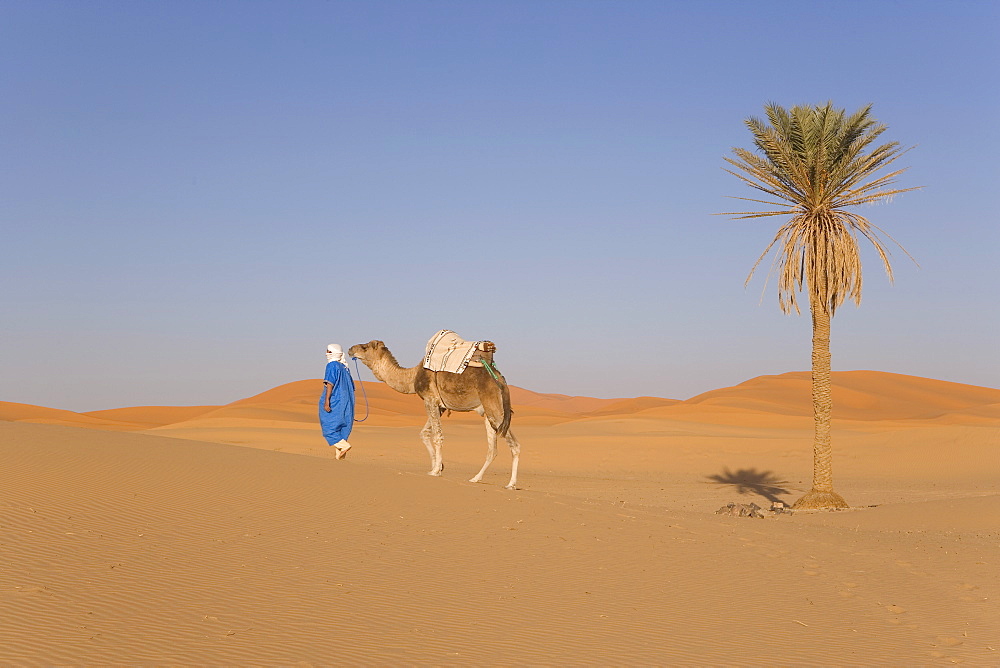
472, 390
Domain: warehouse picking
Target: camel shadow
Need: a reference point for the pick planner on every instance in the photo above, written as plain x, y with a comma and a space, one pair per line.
752, 481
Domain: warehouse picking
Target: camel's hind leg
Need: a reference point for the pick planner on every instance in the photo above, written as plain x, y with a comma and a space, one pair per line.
433, 439
491, 452
491, 447
515, 452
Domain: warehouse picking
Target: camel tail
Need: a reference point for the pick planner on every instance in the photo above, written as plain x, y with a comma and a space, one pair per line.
507, 411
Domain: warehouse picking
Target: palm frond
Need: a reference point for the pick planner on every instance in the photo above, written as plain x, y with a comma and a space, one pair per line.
817, 161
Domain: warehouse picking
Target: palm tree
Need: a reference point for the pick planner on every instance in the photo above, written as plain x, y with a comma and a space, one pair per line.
817, 162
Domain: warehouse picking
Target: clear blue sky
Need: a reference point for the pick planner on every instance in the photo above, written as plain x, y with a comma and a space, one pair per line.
196, 197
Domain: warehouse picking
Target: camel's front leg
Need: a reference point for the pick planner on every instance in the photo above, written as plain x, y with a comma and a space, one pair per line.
491, 449
433, 438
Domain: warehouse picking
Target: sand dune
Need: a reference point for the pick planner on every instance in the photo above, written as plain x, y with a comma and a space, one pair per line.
151, 416
857, 395
148, 538
631, 406
194, 553
558, 403
15, 412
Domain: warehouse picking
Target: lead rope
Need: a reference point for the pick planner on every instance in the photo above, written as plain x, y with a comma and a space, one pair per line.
489, 367
363, 393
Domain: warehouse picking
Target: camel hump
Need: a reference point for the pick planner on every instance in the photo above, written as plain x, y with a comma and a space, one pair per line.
447, 351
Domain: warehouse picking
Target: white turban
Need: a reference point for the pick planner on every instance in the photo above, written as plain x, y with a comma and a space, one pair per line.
335, 353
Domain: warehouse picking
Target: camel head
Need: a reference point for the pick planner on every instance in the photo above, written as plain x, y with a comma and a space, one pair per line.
367, 352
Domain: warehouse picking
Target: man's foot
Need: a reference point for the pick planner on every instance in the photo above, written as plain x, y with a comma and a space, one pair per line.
342, 449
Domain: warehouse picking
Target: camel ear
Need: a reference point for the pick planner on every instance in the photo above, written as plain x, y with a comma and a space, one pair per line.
376, 344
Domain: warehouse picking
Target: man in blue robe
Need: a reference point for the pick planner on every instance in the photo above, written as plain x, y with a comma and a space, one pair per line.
336, 404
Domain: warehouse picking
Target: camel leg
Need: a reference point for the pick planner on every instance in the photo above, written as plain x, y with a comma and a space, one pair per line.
515, 452
427, 438
491, 448
433, 439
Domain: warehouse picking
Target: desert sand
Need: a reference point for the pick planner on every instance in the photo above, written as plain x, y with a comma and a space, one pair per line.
209, 535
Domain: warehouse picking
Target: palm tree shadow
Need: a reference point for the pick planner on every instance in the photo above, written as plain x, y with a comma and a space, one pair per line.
752, 481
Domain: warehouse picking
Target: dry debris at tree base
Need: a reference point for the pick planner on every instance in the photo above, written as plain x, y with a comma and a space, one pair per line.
752, 510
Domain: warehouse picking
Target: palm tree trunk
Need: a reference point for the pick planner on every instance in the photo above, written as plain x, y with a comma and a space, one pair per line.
821, 495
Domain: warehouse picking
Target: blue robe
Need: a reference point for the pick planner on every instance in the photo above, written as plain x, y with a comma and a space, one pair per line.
338, 422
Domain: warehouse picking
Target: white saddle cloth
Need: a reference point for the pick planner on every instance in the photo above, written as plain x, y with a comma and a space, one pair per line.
446, 351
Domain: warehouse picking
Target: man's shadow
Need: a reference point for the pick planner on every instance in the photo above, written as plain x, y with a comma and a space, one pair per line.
752, 481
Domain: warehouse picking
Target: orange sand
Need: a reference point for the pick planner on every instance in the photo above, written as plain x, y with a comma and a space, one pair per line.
142, 536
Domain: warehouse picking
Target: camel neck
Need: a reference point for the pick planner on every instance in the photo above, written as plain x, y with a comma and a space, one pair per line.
401, 379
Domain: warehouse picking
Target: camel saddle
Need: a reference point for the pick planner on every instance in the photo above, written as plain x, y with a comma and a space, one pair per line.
446, 351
